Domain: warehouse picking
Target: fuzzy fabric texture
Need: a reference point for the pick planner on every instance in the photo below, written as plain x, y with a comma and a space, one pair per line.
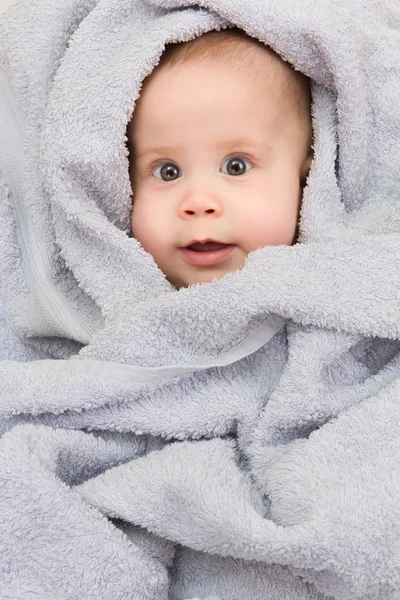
238, 439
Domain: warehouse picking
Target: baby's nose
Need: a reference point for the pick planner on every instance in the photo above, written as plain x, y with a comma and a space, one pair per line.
201, 204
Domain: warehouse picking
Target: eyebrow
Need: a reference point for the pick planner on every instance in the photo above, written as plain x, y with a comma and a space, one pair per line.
233, 144
228, 145
162, 151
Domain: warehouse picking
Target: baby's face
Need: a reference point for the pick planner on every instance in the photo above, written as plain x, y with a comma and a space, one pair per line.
216, 167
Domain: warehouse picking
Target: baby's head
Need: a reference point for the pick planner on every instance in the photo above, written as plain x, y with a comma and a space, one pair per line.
220, 145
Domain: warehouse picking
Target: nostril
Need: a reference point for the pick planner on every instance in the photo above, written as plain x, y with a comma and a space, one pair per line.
187, 211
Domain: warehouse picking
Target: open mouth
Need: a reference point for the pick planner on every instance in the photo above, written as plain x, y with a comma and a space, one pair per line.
207, 246
207, 253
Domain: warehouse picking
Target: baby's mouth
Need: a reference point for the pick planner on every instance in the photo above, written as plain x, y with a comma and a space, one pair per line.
207, 253
207, 246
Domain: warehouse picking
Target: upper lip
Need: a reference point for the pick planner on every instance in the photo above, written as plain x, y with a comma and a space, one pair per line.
204, 241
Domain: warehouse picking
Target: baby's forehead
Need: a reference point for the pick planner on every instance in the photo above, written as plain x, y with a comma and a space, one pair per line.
231, 48
250, 61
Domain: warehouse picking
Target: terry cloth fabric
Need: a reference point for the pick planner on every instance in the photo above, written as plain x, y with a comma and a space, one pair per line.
237, 439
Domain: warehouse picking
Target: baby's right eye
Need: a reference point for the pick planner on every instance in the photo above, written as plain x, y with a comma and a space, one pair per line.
167, 172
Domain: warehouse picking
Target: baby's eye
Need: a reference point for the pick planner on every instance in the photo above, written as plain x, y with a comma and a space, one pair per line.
236, 165
167, 172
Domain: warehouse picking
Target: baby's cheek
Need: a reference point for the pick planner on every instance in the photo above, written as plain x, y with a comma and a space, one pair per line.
273, 226
149, 227
141, 223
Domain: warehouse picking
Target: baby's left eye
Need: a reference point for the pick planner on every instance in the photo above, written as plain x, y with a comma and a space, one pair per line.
236, 165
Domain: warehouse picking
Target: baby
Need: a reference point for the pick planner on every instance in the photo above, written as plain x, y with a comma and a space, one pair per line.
220, 146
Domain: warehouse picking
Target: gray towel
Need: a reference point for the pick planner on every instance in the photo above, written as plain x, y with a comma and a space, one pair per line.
237, 439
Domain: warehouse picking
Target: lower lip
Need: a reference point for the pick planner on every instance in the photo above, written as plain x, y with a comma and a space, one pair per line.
207, 258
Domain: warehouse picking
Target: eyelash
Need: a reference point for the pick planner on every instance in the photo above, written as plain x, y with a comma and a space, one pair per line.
243, 156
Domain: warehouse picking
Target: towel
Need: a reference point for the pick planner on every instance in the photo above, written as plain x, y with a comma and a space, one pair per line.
236, 439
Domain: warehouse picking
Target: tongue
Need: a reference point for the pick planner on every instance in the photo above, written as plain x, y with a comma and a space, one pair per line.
207, 246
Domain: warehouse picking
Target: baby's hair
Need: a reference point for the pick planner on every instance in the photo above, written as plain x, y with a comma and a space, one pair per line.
235, 48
